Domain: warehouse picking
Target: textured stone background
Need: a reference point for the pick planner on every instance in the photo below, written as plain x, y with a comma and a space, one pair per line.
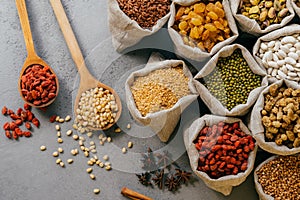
28, 173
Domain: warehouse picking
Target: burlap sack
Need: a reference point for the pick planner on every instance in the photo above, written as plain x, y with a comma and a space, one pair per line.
195, 53
285, 31
223, 184
296, 8
162, 122
126, 32
251, 26
212, 102
259, 189
256, 126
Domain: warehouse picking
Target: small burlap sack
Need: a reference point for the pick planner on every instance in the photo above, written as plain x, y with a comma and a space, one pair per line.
251, 26
223, 184
257, 128
195, 53
296, 8
259, 189
126, 32
162, 122
212, 102
285, 31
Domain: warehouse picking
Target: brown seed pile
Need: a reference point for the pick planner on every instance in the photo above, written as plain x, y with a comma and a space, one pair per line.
202, 25
145, 12
280, 177
38, 85
264, 12
280, 116
160, 89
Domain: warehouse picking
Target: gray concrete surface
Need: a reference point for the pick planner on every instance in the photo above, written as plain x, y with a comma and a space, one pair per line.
26, 172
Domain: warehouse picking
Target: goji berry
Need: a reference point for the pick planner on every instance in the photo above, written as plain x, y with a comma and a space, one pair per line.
19, 132
29, 115
27, 106
15, 135
14, 116
12, 126
7, 134
6, 126
4, 110
27, 133
27, 125
19, 122
36, 122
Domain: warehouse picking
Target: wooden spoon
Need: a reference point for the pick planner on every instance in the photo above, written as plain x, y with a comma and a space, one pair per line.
87, 81
32, 57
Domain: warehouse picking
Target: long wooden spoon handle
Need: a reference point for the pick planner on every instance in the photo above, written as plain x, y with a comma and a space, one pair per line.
68, 34
22, 10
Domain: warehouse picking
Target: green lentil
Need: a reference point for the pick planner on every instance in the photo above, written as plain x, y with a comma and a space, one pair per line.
232, 80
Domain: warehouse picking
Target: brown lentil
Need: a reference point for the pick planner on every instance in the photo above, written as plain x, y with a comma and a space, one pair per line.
145, 12
160, 89
280, 177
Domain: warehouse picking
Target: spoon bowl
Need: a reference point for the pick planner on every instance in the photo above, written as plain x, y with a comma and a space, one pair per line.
32, 57
87, 81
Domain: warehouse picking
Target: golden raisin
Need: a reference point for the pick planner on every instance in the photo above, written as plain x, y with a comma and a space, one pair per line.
210, 27
199, 8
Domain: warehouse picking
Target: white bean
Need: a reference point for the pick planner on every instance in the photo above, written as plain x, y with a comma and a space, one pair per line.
274, 72
273, 64
288, 39
292, 74
285, 49
282, 54
280, 62
290, 60
271, 44
263, 46
281, 74
289, 67
293, 55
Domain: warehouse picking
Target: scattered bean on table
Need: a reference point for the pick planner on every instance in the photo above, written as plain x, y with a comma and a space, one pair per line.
223, 149
281, 57
280, 116
232, 80
202, 24
280, 177
265, 13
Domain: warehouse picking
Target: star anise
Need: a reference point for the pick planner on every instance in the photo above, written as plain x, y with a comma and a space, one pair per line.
144, 178
182, 175
172, 183
159, 178
148, 160
164, 159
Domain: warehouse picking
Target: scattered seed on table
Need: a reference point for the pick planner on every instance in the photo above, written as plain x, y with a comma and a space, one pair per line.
57, 127
61, 120
104, 139
73, 152
76, 151
58, 160
90, 163
130, 144
105, 157
80, 143
94, 151
89, 170
75, 126
117, 130
70, 161
101, 164
96, 191
60, 150
82, 148
86, 154
98, 162
108, 167
57, 118
93, 160
107, 163
75, 137
82, 138
62, 164
124, 150
68, 118
89, 134
58, 134
108, 139
86, 149
95, 157
60, 140
55, 154
92, 147
101, 143
92, 142
101, 136
43, 148
128, 126
92, 176
69, 132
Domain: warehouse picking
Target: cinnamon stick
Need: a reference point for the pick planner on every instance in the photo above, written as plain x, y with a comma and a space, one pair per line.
133, 194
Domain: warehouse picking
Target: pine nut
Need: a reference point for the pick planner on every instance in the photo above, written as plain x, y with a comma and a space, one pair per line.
58, 161
96, 191
58, 134
124, 150
57, 127
89, 134
105, 157
89, 170
75, 137
62, 164
60, 140
68, 118
55, 154
117, 130
130, 144
128, 126
92, 176
61, 120
69, 132
109, 139
60, 150
70, 161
